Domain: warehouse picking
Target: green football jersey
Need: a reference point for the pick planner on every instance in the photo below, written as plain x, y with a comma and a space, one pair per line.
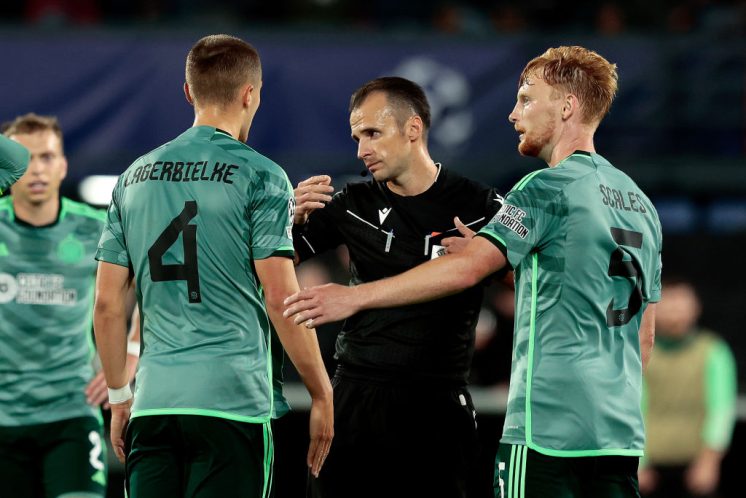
585, 244
46, 303
189, 219
14, 159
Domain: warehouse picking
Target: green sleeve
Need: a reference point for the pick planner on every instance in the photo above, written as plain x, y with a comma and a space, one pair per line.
14, 159
721, 394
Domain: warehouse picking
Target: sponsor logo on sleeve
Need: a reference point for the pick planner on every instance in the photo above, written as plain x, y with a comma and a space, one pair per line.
512, 218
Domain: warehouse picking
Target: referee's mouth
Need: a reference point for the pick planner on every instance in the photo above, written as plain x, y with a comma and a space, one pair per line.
371, 166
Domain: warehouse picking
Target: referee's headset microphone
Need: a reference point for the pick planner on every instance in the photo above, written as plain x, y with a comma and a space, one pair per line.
364, 172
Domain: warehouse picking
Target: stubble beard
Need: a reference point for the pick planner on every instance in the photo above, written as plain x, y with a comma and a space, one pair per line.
532, 145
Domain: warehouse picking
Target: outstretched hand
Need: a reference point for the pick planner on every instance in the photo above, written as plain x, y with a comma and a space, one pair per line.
311, 194
455, 245
321, 304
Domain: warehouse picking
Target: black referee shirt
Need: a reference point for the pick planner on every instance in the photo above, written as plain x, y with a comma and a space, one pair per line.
387, 234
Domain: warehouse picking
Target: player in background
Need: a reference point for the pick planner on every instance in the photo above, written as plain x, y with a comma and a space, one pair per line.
50, 424
585, 244
203, 225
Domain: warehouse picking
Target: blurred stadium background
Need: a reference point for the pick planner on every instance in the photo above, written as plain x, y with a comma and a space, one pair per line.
112, 71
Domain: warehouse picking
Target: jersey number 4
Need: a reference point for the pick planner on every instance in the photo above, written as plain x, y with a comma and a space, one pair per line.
618, 267
188, 270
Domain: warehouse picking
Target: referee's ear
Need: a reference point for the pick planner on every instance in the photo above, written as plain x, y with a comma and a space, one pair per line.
414, 128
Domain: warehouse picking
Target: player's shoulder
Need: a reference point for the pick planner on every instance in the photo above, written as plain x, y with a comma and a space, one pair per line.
575, 167
246, 155
82, 210
6, 208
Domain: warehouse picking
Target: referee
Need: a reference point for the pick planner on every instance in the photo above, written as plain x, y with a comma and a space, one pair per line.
404, 419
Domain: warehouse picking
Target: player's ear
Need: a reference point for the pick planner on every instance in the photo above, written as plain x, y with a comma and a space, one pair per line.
570, 106
188, 94
63, 168
247, 94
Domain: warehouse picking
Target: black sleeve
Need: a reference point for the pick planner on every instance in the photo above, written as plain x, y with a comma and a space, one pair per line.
321, 232
493, 204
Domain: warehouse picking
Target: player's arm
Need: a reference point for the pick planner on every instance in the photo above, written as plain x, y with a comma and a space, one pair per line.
14, 159
277, 277
647, 334
96, 391
110, 326
432, 280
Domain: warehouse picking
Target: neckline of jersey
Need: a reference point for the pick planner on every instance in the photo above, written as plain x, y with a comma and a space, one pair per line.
433, 188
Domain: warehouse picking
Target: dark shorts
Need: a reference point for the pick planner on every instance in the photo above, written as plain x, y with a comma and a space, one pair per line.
398, 441
53, 459
198, 456
671, 481
521, 472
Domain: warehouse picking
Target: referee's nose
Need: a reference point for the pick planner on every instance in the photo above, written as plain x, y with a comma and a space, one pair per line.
363, 149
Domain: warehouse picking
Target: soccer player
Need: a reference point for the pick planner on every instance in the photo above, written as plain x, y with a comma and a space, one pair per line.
203, 225
405, 422
14, 159
585, 243
50, 437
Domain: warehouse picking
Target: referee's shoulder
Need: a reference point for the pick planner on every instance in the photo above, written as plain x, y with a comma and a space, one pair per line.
458, 180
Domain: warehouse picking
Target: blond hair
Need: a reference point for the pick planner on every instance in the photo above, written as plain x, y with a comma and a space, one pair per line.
33, 123
582, 72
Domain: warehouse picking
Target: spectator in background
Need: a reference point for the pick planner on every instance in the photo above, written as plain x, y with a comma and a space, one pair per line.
610, 19
690, 401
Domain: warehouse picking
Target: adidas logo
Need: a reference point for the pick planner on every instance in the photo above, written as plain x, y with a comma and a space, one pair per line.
382, 214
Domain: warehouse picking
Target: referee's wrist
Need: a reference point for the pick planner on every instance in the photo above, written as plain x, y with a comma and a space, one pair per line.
120, 395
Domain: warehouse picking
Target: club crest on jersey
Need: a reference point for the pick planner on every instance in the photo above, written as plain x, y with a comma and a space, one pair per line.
512, 218
70, 250
382, 214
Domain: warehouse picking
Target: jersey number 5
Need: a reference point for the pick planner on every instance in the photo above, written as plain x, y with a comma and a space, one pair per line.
188, 270
630, 269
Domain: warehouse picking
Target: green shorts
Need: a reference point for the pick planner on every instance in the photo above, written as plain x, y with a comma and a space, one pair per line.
198, 456
521, 472
52, 460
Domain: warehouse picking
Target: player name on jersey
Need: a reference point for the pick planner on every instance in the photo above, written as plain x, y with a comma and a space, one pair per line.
180, 171
618, 200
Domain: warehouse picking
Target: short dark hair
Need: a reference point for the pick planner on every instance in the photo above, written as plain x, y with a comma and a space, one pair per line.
218, 65
406, 97
33, 123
